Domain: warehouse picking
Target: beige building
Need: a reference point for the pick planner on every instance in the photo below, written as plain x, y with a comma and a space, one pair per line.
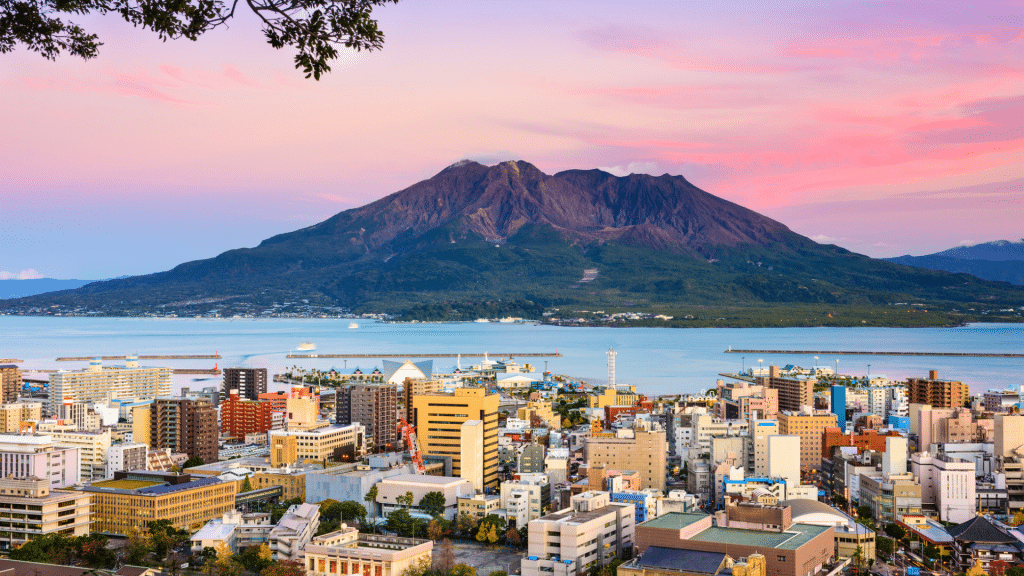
643, 451
479, 505
439, 429
99, 384
283, 450
794, 393
544, 411
347, 552
415, 388
133, 499
937, 393
337, 443
390, 489
142, 425
92, 451
14, 414
52, 511
617, 396
592, 533
890, 497
10, 382
810, 427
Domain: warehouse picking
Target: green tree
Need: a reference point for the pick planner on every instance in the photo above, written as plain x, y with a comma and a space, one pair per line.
255, 559
839, 500
314, 29
140, 544
895, 531
931, 551
864, 512
351, 510
497, 573
432, 503
371, 499
401, 522
405, 499
466, 524
246, 485
885, 546
462, 570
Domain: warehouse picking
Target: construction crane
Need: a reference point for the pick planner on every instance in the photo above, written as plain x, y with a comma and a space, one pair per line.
409, 433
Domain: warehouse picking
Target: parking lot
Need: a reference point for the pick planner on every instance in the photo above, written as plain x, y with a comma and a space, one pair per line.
486, 559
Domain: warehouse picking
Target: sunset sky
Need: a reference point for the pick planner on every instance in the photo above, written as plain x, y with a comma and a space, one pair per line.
886, 128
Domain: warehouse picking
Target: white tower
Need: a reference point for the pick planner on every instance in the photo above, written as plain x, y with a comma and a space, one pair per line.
611, 367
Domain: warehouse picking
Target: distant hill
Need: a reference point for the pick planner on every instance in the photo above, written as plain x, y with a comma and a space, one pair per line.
1001, 261
20, 288
476, 233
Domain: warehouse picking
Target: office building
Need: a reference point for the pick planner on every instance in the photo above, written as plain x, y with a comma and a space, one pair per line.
636, 449
373, 406
743, 401
757, 446
391, 488
14, 414
594, 532
92, 451
837, 405
126, 456
240, 417
937, 393
249, 382
440, 418
135, 498
10, 383
34, 455
890, 497
336, 443
99, 384
810, 427
525, 497
794, 393
479, 505
51, 511
185, 425
347, 552
415, 388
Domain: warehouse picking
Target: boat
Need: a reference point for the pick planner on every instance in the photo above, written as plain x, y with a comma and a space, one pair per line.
482, 320
305, 346
352, 326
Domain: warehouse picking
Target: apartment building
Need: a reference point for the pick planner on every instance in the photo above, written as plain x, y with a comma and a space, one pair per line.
99, 384
441, 419
185, 425
937, 393
249, 382
240, 417
34, 455
135, 498
793, 392
633, 449
479, 505
92, 451
890, 497
14, 414
592, 533
10, 383
126, 456
373, 406
743, 400
347, 552
947, 486
52, 511
810, 427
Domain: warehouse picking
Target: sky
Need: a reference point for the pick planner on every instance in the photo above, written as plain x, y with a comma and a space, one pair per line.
887, 128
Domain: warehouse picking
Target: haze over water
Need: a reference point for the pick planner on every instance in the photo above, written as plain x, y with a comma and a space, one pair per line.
657, 360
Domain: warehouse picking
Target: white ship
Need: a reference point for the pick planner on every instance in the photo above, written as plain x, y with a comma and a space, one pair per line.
352, 326
307, 346
482, 320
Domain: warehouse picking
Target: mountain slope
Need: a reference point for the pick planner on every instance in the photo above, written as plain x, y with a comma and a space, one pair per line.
1001, 261
512, 232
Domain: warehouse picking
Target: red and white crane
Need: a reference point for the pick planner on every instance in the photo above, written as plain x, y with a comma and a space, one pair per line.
409, 434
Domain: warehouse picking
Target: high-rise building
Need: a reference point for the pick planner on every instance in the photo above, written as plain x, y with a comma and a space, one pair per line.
373, 406
92, 450
810, 427
637, 449
793, 392
413, 388
24, 455
439, 418
14, 414
185, 425
250, 382
837, 405
239, 417
10, 382
126, 456
937, 393
99, 384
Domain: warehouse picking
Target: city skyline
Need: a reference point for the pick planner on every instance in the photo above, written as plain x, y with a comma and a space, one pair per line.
886, 129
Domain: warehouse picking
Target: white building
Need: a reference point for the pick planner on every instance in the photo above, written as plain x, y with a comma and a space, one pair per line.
570, 542
390, 489
92, 451
126, 456
947, 485
296, 528
24, 455
99, 384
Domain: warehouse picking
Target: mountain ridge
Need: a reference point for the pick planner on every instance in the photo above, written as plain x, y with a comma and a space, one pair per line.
999, 260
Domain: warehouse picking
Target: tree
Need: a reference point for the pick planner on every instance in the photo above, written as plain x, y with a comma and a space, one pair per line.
401, 522
512, 537
840, 500
864, 512
256, 558
351, 510
371, 499
286, 568
444, 560
140, 544
466, 524
885, 546
435, 530
931, 552
498, 573
246, 485
462, 570
492, 534
432, 503
895, 531
405, 499
315, 29
223, 563
165, 537
481, 534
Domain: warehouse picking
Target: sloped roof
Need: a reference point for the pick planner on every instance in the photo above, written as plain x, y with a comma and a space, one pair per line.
979, 529
693, 561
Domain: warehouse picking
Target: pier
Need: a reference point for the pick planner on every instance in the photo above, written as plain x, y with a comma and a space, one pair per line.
214, 371
144, 357
474, 355
879, 353
10, 361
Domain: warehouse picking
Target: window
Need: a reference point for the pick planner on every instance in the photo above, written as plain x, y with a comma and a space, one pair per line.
782, 558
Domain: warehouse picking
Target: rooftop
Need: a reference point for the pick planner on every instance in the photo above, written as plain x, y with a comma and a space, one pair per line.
675, 520
792, 539
689, 561
570, 516
423, 479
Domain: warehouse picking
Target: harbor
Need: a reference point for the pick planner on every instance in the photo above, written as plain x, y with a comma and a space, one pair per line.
554, 354
878, 353
143, 357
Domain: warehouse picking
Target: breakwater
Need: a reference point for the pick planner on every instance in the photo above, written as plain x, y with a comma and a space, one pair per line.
473, 355
214, 371
10, 361
879, 353
144, 357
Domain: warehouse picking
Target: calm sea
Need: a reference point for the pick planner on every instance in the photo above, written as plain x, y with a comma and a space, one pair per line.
657, 360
